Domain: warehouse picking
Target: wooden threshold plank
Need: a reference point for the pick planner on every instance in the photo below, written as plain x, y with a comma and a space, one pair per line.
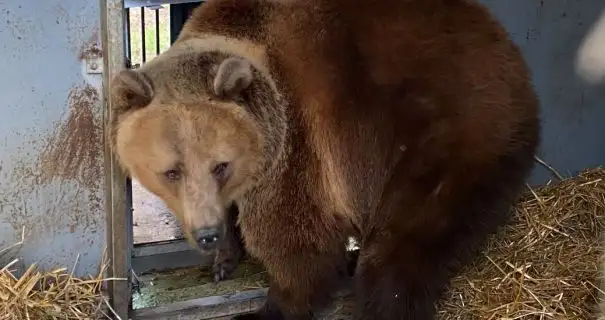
205, 308
225, 306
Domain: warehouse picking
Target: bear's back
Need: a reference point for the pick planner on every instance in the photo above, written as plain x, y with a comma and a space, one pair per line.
439, 79
375, 62
241, 19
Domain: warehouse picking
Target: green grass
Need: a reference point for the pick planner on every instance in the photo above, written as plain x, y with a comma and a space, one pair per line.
150, 33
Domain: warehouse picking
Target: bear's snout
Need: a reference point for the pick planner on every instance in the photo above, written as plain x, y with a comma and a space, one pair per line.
206, 241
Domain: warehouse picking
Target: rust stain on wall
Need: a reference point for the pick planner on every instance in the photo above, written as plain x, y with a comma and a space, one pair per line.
91, 48
71, 152
74, 150
53, 182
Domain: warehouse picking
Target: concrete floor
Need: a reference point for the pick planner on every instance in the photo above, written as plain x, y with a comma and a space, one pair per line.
152, 221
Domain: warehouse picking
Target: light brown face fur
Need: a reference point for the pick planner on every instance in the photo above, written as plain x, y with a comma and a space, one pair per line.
176, 123
191, 140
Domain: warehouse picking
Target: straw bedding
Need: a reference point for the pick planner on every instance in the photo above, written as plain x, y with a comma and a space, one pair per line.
50, 295
545, 264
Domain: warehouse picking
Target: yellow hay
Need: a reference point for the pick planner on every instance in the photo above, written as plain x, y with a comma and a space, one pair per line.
545, 264
50, 295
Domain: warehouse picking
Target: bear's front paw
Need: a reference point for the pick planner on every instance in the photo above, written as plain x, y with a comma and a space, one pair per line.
222, 270
225, 262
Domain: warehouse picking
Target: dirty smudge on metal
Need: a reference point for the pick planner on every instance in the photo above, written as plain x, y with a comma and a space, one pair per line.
70, 154
91, 48
17, 24
49, 100
73, 152
77, 29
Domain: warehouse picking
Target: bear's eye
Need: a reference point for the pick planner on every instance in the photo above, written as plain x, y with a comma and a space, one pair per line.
173, 175
222, 172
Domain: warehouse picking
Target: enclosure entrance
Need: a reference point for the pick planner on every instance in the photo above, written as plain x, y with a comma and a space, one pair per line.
149, 31
155, 233
166, 275
167, 278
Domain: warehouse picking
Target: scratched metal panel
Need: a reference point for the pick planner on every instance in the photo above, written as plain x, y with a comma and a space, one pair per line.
51, 146
573, 112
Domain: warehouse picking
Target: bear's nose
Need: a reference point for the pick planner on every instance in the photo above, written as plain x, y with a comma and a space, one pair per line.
206, 240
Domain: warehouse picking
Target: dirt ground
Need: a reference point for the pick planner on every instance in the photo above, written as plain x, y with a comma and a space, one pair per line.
152, 221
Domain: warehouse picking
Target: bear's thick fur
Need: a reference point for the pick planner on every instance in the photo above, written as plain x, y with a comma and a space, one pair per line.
408, 124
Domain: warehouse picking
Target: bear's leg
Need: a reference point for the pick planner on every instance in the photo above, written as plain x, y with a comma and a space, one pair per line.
392, 283
420, 237
230, 249
302, 280
352, 258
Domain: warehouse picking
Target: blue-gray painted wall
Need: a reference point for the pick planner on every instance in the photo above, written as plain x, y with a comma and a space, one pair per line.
549, 33
51, 134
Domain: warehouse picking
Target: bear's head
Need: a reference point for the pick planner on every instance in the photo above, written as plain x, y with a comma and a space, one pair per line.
198, 128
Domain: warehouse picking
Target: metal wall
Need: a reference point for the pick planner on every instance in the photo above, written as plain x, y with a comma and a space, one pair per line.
51, 133
573, 112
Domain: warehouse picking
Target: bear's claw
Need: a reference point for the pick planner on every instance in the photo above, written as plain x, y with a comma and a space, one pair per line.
225, 262
221, 271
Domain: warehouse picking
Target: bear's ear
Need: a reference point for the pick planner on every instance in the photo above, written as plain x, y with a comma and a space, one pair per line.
131, 90
233, 76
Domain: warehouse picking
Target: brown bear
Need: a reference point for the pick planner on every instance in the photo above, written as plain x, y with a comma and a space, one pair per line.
410, 125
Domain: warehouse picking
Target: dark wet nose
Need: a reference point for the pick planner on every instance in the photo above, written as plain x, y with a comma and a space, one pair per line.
207, 240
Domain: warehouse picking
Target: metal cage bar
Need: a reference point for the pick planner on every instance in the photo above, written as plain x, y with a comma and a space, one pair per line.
128, 48
143, 42
157, 32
